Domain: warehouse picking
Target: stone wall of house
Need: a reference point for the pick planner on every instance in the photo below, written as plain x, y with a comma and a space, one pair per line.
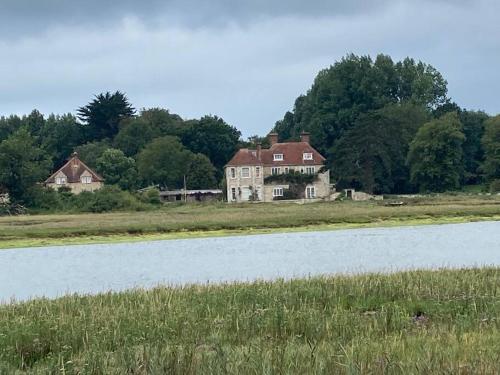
244, 186
77, 188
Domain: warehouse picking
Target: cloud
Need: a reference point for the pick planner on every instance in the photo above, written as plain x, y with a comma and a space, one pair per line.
246, 62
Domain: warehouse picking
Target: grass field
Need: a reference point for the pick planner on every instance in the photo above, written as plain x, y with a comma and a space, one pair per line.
405, 323
220, 219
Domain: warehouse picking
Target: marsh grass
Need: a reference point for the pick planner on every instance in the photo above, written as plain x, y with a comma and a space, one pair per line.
404, 323
181, 219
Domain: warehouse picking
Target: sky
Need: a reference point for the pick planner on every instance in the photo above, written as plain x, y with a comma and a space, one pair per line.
245, 61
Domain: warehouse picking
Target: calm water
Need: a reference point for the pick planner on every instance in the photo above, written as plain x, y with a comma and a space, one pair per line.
55, 271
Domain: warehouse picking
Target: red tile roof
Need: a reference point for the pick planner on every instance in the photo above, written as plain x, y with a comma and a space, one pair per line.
292, 155
73, 170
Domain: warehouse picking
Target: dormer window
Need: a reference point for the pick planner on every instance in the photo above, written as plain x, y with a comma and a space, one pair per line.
278, 157
60, 180
307, 156
86, 179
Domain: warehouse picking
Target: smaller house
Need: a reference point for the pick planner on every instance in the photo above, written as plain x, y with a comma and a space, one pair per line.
75, 175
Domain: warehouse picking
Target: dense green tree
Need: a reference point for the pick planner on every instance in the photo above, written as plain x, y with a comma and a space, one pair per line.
436, 155
491, 145
164, 162
134, 134
34, 122
163, 122
90, 152
357, 85
59, 137
473, 128
102, 115
22, 164
200, 173
213, 137
9, 125
118, 169
372, 154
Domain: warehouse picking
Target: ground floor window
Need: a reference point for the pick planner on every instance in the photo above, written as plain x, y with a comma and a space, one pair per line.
310, 170
86, 179
278, 192
310, 192
276, 170
233, 194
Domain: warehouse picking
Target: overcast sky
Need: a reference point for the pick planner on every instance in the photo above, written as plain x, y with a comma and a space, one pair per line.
245, 61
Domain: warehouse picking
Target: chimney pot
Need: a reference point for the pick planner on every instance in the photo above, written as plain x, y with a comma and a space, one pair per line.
273, 138
305, 137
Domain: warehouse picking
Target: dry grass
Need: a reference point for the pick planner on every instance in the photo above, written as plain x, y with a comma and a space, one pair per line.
213, 217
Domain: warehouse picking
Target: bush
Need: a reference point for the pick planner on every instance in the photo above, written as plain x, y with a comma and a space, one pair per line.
495, 186
151, 196
109, 198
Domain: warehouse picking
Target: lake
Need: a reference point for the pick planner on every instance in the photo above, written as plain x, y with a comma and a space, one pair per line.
89, 269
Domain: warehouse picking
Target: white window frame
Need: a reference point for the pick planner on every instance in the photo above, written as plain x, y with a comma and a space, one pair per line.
243, 170
278, 192
257, 172
310, 192
310, 170
61, 180
86, 179
307, 156
233, 193
232, 172
275, 170
277, 157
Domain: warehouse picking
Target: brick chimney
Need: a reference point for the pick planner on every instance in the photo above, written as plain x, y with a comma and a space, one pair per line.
305, 137
273, 138
259, 149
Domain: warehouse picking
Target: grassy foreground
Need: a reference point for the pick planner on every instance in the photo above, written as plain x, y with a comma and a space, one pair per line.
221, 219
405, 323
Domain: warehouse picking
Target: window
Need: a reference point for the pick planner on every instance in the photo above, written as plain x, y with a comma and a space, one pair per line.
233, 172
245, 172
310, 192
277, 157
257, 171
287, 170
307, 156
310, 170
86, 179
60, 180
275, 170
278, 192
233, 194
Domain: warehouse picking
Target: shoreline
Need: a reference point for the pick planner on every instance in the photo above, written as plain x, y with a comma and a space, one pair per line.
194, 234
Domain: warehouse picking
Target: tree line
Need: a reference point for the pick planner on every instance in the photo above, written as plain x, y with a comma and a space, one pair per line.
390, 127
129, 148
384, 126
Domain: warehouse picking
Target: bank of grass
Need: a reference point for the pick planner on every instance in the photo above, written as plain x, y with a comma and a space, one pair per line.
412, 322
181, 221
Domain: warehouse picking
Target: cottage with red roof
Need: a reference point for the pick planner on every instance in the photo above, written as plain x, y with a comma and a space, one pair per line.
289, 170
76, 175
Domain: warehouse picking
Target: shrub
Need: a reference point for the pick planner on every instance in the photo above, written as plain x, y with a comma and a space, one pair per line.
495, 186
151, 196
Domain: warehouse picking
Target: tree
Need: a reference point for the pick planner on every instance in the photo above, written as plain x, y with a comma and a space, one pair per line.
164, 162
59, 137
473, 128
372, 155
133, 136
213, 137
435, 156
22, 164
357, 85
491, 145
34, 122
102, 115
9, 125
90, 152
200, 173
118, 169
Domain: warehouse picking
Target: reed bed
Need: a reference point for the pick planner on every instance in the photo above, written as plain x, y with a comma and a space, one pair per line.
418, 322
